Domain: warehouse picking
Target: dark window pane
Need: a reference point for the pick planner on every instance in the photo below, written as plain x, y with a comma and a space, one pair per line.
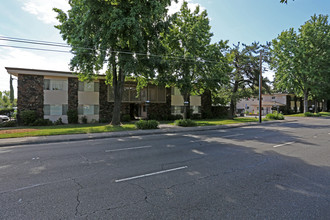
46, 109
46, 84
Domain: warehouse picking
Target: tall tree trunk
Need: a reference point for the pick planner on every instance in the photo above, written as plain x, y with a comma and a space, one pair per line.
11, 93
118, 87
186, 104
233, 100
325, 106
316, 106
305, 101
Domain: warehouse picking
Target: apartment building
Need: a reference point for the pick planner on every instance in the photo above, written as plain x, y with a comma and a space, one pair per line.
52, 93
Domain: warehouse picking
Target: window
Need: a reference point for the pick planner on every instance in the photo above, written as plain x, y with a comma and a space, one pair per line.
195, 109
56, 84
126, 94
292, 105
133, 94
177, 110
89, 86
152, 93
161, 94
55, 109
111, 96
88, 109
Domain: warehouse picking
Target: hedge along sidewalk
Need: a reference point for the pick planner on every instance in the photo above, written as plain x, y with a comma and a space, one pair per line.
164, 129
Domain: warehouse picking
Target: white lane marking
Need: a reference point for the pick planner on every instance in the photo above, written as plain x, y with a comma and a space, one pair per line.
151, 174
130, 148
280, 145
232, 135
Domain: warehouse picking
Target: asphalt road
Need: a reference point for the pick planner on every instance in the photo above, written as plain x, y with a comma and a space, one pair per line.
269, 171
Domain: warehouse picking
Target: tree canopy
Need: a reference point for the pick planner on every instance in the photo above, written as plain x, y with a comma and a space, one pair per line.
193, 63
301, 59
5, 100
116, 35
244, 78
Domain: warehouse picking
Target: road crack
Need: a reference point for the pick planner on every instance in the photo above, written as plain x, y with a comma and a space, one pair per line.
80, 187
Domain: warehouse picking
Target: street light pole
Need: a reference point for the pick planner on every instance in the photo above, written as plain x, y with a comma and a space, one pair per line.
260, 89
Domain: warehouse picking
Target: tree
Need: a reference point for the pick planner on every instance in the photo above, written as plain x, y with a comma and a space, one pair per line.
301, 60
11, 89
244, 78
193, 63
118, 35
5, 101
285, 1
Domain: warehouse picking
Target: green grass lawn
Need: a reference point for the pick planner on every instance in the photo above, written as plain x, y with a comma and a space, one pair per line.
64, 129
31, 131
322, 114
226, 121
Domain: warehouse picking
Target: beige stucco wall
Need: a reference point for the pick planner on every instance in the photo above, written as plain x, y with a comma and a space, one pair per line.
177, 100
88, 98
195, 100
55, 97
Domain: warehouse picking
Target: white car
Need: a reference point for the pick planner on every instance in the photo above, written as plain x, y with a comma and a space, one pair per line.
4, 118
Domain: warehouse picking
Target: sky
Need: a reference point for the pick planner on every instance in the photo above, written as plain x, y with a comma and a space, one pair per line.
242, 21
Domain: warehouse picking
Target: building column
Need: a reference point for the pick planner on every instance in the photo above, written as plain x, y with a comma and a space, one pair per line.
30, 94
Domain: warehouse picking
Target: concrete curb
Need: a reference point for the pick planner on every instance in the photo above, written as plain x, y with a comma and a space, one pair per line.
80, 137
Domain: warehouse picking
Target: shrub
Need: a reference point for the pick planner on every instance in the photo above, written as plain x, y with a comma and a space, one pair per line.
72, 116
84, 119
309, 114
126, 118
10, 123
174, 117
28, 117
147, 124
59, 122
185, 123
42, 122
105, 120
275, 115
196, 116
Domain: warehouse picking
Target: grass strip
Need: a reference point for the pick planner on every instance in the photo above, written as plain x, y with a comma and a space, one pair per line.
322, 114
65, 129
100, 128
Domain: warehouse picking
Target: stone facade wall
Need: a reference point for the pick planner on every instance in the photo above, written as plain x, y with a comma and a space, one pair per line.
106, 107
73, 94
30, 95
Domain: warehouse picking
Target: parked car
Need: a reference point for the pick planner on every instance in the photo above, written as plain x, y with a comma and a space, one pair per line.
4, 118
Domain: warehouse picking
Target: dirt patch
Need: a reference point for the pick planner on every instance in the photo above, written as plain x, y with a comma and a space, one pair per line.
11, 131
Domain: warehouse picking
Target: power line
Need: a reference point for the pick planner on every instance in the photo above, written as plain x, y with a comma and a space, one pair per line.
39, 41
33, 48
56, 44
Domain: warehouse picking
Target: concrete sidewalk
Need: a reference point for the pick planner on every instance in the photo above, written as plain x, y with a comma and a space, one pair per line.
163, 129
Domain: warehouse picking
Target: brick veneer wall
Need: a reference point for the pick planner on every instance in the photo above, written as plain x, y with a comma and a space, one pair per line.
30, 94
73, 94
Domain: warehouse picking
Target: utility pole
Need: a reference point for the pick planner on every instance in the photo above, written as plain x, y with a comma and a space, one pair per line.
260, 89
